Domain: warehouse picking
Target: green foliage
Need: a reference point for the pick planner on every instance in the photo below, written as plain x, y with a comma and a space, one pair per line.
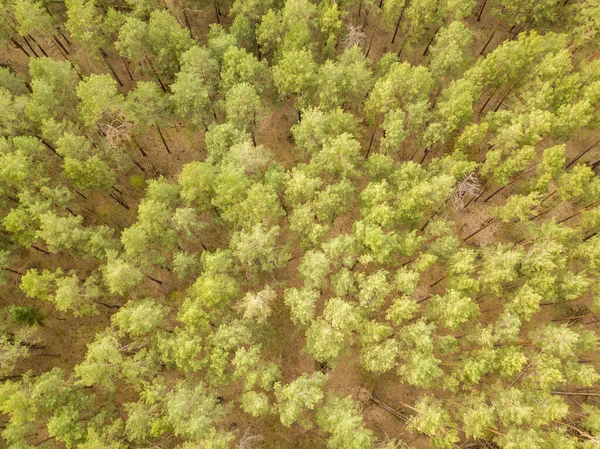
303, 393
313, 229
343, 420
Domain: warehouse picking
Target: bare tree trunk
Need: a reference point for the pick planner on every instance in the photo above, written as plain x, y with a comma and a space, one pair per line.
162, 138
481, 10
500, 189
118, 200
581, 154
372, 137
36, 43
187, 23
430, 42
60, 44
486, 225
19, 46
30, 47
488, 100
127, 68
491, 37
110, 67
217, 12
399, 20
37, 248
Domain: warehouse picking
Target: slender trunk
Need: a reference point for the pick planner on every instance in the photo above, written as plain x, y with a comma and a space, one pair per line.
10, 270
508, 184
399, 20
187, 23
139, 147
491, 37
581, 154
110, 67
217, 12
162, 86
431, 42
19, 46
486, 225
110, 306
481, 10
40, 47
516, 33
127, 68
505, 97
118, 200
50, 147
64, 37
425, 153
372, 137
371, 40
61, 47
30, 47
488, 100
37, 248
438, 281
137, 164
162, 138
62, 53
80, 194
60, 44
435, 97
401, 48
154, 280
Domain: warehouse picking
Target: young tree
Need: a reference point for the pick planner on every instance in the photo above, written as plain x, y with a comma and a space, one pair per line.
119, 275
242, 107
342, 418
303, 393
156, 45
295, 76
257, 249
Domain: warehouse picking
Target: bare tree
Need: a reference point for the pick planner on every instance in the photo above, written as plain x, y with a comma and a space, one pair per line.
354, 37
116, 127
247, 441
464, 190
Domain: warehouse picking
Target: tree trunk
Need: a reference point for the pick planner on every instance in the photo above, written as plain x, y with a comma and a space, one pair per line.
488, 100
399, 20
162, 86
217, 12
59, 43
581, 154
481, 10
110, 67
19, 46
154, 280
491, 37
372, 137
430, 42
37, 248
127, 68
515, 179
30, 47
118, 200
486, 225
36, 43
162, 138
187, 23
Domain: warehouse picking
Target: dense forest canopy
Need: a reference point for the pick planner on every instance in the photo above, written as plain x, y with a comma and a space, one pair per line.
348, 224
